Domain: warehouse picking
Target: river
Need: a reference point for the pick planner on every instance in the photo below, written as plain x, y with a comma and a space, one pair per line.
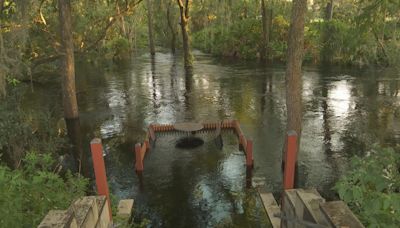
346, 111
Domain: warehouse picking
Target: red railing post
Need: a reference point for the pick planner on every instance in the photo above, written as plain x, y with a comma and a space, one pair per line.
147, 143
249, 153
138, 156
100, 170
290, 158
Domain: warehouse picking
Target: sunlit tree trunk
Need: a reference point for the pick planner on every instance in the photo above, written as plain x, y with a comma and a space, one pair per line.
150, 24
68, 64
293, 68
122, 22
184, 13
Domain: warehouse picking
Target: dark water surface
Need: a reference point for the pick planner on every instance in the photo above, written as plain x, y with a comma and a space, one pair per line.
345, 112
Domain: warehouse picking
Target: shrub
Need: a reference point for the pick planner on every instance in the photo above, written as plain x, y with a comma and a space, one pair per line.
117, 48
28, 193
243, 38
372, 188
22, 130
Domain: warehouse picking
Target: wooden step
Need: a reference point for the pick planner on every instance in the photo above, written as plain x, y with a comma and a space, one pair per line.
338, 214
272, 208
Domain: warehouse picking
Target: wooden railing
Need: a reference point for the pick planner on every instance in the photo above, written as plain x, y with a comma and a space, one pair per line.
151, 135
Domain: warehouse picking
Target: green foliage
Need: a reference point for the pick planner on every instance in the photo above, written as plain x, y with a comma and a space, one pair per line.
114, 204
278, 43
240, 39
117, 48
372, 188
22, 131
28, 193
243, 39
362, 32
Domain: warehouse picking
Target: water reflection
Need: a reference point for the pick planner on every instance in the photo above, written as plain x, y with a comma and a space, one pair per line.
339, 98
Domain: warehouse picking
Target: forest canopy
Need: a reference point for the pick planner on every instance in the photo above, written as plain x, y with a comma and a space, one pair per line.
355, 32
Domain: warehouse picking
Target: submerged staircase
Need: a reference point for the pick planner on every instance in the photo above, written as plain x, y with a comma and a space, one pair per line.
307, 208
88, 212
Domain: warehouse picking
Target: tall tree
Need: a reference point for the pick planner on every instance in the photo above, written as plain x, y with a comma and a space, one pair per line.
184, 12
329, 10
171, 26
150, 24
266, 18
326, 35
68, 63
293, 68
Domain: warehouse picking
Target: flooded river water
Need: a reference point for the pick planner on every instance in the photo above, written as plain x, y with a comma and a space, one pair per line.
345, 112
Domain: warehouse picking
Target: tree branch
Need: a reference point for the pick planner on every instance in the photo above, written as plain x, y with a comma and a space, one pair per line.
111, 20
40, 12
180, 3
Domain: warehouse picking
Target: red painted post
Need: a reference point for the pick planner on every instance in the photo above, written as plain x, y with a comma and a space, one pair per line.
146, 142
249, 153
241, 139
290, 160
100, 170
138, 156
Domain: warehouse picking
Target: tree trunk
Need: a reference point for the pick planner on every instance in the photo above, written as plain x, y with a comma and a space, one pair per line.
293, 68
329, 10
184, 12
2, 68
75, 138
172, 28
270, 14
150, 24
122, 23
1, 6
266, 30
68, 64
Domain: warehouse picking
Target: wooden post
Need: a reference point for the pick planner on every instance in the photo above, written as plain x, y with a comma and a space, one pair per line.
249, 176
290, 159
138, 156
152, 134
100, 171
249, 153
242, 143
